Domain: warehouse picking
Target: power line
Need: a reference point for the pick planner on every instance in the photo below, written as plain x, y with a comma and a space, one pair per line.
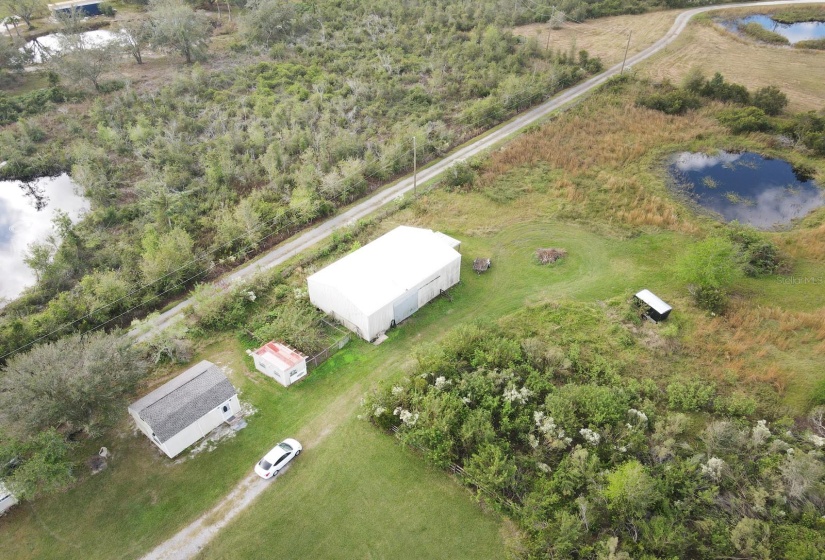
515, 101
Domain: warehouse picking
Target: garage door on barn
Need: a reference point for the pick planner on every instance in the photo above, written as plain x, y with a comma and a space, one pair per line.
406, 306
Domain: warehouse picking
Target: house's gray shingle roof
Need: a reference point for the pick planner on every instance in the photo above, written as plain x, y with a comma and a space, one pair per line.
179, 403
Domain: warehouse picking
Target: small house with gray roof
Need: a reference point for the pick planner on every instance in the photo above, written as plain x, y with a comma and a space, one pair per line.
184, 410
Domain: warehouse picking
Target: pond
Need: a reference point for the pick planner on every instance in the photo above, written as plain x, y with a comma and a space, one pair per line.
26, 212
753, 189
793, 32
47, 45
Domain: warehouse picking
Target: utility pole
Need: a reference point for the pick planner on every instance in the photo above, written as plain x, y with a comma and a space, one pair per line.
627, 48
415, 166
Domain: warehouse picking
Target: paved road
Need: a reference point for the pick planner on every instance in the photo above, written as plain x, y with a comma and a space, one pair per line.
191, 539
285, 251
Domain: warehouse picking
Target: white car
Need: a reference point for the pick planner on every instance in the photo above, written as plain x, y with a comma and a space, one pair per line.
275, 460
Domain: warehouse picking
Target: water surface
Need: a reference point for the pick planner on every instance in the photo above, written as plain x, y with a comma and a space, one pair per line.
26, 212
765, 193
793, 32
48, 45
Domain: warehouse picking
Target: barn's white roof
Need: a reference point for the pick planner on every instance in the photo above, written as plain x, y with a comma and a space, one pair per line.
381, 271
653, 301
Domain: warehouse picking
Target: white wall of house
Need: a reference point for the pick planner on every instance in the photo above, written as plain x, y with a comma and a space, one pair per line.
195, 431
7, 500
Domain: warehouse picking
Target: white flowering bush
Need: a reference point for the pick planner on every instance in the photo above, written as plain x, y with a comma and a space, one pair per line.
440, 382
519, 396
760, 433
714, 468
636, 419
591, 437
397, 390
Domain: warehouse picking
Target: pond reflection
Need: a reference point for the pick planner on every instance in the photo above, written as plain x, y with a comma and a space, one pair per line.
747, 187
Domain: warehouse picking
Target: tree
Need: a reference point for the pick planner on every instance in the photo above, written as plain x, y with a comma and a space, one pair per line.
135, 35
176, 27
709, 269
770, 99
83, 62
76, 383
269, 21
35, 466
13, 55
167, 258
26, 9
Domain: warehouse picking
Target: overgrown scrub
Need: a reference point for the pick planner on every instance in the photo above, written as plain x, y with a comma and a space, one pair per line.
555, 421
217, 165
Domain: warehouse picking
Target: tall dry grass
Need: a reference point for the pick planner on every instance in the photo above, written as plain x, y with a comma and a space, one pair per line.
805, 243
750, 341
604, 151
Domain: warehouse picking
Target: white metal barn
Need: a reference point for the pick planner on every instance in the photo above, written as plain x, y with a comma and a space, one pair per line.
182, 411
280, 362
386, 281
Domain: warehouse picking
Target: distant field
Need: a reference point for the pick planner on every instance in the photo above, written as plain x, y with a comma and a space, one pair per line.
605, 37
797, 72
707, 46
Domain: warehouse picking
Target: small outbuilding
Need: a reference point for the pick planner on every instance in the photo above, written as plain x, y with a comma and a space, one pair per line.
184, 410
386, 281
652, 306
7, 499
86, 7
280, 362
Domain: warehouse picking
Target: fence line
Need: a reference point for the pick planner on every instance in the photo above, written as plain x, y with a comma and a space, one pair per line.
459, 472
324, 354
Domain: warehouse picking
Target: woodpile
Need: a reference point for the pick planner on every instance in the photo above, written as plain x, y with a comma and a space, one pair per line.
481, 265
547, 256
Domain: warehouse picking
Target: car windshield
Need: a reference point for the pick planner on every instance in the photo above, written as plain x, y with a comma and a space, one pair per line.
285, 446
265, 465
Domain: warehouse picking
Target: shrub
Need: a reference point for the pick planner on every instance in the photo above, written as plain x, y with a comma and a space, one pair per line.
107, 9
748, 119
709, 269
460, 175
760, 255
692, 396
818, 44
727, 92
770, 99
676, 102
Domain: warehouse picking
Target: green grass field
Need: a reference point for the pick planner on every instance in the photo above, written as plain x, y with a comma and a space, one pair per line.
355, 493
144, 498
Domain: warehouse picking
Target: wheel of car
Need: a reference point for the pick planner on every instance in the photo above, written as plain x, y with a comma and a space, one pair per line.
297, 452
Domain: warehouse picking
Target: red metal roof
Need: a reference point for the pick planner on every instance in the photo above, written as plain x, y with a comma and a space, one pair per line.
281, 355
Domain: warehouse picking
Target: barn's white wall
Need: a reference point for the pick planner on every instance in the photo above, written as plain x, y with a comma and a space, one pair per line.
430, 287
329, 300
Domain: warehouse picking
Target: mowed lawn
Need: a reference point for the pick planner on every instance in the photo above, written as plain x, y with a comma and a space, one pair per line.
360, 495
